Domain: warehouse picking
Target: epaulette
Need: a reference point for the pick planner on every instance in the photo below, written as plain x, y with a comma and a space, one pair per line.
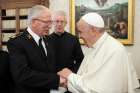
29, 36
15, 36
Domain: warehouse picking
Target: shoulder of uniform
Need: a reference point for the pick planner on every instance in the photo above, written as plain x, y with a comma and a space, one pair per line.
71, 35
16, 35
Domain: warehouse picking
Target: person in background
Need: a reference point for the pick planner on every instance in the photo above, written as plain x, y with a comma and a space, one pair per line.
31, 56
107, 68
67, 47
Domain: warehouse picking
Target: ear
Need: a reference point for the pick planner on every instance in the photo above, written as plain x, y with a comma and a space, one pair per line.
94, 32
66, 23
34, 23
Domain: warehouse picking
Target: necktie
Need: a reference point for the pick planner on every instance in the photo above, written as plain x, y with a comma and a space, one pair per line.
41, 47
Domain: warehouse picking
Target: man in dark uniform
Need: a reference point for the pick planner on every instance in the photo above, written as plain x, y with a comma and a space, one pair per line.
31, 57
67, 47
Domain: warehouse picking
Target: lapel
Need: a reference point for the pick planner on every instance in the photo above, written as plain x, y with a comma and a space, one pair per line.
50, 58
33, 45
46, 45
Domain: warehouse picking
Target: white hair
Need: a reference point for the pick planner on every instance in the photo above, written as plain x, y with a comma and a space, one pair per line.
35, 12
59, 13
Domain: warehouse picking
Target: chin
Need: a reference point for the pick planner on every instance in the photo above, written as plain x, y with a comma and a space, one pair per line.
60, 31
46, 33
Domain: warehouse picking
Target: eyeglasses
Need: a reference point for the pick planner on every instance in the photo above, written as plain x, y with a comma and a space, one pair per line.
43, 21
58, 21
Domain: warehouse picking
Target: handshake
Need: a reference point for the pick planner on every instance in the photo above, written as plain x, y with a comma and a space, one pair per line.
64, 73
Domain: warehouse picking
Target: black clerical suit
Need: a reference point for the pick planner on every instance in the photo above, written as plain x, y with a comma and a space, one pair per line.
31, 70
68, 51
5, 77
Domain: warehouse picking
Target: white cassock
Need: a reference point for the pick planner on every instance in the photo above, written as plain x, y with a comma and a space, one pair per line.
106, 69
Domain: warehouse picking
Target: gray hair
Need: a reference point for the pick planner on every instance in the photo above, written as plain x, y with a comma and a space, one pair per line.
59, 13
34, 12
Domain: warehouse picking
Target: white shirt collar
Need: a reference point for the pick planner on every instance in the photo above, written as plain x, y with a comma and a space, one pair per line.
34, 35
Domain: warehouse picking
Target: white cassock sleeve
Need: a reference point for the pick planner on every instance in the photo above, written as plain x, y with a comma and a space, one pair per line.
77, 85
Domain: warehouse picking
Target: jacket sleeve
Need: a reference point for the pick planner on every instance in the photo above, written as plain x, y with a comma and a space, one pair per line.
24, 75
78, 55
77, 85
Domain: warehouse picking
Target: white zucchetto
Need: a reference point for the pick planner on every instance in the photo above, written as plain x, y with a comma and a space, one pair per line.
93, 19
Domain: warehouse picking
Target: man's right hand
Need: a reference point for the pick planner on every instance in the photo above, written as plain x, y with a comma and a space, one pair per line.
63, 82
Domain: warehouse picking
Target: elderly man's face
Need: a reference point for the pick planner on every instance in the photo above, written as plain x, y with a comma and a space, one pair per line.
83, 30
59, 23
43, 23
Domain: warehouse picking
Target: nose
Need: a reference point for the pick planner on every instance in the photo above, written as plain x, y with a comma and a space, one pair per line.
59, 23
79, 35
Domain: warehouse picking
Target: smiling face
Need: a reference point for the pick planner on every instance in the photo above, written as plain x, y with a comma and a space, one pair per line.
42, 23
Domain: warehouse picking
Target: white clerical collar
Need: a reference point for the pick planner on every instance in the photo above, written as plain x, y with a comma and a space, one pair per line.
100, 40
34, 35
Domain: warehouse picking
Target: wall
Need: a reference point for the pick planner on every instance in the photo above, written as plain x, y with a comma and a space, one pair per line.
134, 50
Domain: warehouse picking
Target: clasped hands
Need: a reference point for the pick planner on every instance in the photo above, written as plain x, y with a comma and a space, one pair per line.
64, 73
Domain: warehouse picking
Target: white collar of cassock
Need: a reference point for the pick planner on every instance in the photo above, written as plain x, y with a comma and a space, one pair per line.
100, 41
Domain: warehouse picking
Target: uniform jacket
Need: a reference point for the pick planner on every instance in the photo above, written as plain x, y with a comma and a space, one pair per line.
32, 72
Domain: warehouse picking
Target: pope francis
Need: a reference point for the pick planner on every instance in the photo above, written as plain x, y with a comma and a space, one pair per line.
107, 68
